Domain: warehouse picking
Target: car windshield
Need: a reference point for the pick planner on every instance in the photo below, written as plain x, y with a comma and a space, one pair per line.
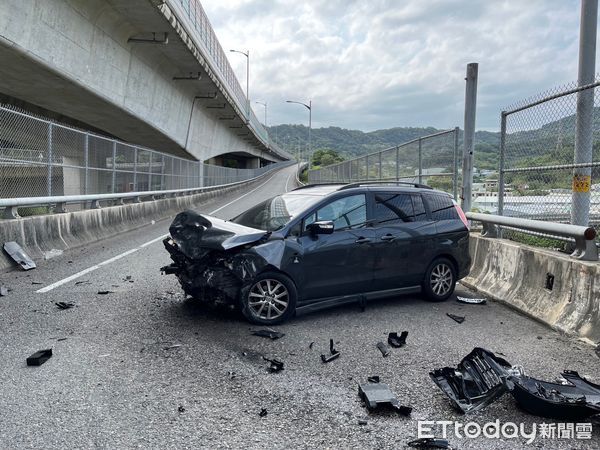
275, 213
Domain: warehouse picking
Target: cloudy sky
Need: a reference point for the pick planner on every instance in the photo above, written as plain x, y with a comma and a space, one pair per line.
374, 64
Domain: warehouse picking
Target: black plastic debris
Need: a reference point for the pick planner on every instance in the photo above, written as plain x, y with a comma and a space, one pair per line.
39, 357
231, 375
430, 443
64, 305
598, 350
181, 409
333, 353
3, 291
378, 395
383, 349
275, 365
15, 251
373, 379
271, 334
310, 346
477, 381
482, 377
457, 319
397, 341
105, 292
362, 422
471, 301
263, 412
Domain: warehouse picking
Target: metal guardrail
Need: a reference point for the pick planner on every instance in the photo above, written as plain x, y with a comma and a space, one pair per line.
584, 237
11, 205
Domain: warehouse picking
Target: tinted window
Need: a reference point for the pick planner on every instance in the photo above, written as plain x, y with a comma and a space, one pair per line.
347, 212
442, 207
393, 208
420, 213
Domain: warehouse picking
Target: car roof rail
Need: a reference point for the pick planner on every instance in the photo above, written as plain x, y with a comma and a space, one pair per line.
316, 185
382, 183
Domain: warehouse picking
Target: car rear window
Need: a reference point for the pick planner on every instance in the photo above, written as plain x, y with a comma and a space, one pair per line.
442, 207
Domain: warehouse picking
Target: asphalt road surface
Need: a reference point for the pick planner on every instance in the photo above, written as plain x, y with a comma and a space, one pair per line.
143, 367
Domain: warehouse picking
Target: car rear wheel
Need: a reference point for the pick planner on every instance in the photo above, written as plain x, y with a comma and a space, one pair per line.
440, 280
271, 299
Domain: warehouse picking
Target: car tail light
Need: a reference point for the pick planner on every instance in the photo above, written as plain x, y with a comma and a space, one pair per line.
461, 214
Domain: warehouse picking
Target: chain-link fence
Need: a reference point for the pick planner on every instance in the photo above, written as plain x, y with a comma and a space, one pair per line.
41, 158
431, 160
536, 176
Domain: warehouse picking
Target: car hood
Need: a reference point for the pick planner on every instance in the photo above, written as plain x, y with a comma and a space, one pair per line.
194, 234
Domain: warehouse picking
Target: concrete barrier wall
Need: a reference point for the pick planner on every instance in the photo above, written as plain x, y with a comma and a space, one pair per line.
39, 234
516, 274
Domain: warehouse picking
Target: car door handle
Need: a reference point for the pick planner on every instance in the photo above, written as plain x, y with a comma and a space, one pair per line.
388, 237
362, 240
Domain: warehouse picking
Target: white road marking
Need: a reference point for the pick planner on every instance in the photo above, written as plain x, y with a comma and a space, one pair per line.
287, 182
133, 250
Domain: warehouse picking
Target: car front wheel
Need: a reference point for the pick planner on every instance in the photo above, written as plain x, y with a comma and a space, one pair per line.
440, 280
270, 299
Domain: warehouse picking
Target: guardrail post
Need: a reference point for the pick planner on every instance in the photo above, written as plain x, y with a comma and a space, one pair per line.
114, 167
11, 212
49, 160
86, 162
455, 169
420, 163
397, 163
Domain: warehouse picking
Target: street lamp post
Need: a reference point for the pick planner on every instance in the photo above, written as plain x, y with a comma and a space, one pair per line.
309, 107
265, 105
247, 55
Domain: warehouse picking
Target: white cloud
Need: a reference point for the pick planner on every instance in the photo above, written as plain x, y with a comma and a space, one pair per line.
383, 63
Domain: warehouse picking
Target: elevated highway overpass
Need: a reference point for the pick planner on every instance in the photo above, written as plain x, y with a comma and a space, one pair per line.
144, 71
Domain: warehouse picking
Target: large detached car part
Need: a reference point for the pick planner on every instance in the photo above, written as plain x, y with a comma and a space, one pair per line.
482, 377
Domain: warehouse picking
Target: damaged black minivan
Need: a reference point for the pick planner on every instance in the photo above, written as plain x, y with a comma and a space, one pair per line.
323, 245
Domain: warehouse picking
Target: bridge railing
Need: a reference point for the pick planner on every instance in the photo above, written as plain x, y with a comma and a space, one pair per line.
206, 38
431, 160
41, 158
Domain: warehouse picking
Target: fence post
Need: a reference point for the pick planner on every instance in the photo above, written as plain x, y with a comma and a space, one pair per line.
455, 169
114, 166
420, 163
86, 162
503, 116
135, 159
582, 176
367, 165
470, 108
49, 160
398, 163
150, 158
380, 168
162, 174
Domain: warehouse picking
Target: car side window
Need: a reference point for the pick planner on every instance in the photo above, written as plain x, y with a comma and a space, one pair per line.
393, 208
442, 207
345, 213
419, 207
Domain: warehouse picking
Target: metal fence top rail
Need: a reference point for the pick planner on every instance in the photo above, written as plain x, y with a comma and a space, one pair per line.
516, 109
404, 144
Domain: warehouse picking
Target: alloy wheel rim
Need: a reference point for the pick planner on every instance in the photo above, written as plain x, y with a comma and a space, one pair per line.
441, 279
268, 299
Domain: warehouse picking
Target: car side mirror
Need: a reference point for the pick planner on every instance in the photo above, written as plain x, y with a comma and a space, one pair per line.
322, 227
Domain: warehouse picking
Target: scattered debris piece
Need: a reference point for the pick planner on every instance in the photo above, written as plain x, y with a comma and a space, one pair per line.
82, 282
181, 409
383, 349
373, 379
3, 291
231, 375
64, 305
310, 346
333, 353
172, 346
471, 301
362, 422
36, 282
104, 356
378, 394
127, 278
397, 341
540, 338
271, 334
457, 319
482, 377
598, 350
39, 357
61, 339
52, 253
105, 292
15, 251
263, 412
430, 443
276, 365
